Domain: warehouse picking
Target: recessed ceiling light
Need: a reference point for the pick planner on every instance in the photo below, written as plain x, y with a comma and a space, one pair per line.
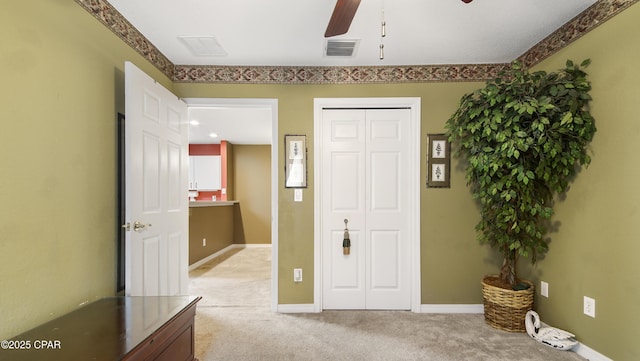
194, 122
213, 135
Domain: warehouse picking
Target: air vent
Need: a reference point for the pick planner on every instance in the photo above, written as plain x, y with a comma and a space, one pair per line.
341, 47
203, 45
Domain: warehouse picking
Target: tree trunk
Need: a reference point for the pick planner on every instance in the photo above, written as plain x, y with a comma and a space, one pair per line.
508, 269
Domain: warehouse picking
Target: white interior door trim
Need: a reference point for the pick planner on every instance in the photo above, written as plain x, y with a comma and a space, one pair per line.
414, 189
273, 105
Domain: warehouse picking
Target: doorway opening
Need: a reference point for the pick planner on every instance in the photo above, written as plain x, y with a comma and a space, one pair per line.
235, 113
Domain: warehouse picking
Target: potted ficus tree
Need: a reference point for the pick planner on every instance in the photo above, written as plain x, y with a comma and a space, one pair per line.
524, 136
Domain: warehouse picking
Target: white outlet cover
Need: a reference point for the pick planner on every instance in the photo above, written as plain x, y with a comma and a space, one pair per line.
589, 307
544, 289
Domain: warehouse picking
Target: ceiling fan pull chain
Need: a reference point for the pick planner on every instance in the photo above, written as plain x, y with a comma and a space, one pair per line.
383, 31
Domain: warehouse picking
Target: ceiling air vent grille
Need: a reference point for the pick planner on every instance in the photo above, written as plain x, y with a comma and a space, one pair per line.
341, 47
203, 45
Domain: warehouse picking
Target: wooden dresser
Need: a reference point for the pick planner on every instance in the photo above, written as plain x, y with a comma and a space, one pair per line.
110, 329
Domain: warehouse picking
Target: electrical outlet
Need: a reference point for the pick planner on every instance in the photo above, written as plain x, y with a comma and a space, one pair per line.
544, 289
297, 275
589, 307
297, 195
204, 242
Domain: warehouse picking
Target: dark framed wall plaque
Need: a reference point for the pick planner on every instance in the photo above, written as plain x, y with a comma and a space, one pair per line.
438, 161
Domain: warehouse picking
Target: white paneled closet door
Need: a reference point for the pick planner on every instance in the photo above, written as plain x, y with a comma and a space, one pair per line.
364, 180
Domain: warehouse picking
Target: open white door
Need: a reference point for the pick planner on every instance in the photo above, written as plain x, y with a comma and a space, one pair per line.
156, 202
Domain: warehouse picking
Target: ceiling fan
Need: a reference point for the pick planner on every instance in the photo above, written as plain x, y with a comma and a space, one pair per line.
341, 18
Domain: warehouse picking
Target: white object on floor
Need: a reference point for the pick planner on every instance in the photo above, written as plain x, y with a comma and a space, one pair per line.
550, 336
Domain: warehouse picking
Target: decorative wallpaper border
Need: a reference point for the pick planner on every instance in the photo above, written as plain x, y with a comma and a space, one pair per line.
119, 25
335, 75
588, 20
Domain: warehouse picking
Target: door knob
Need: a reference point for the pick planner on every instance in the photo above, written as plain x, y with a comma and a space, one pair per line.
138, 227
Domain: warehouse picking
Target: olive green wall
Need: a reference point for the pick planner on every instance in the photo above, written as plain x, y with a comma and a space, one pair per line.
595, 251
252, 184
62, 83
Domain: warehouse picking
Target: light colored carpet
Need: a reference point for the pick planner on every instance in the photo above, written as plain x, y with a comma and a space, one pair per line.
234, 322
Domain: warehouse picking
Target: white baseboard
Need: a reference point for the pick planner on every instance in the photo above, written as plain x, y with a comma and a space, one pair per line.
586, 351
210, 257
589, 353
296, 308
224, 250
452, 308
253, 245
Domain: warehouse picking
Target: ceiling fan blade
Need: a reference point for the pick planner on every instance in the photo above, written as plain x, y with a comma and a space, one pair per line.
341, 18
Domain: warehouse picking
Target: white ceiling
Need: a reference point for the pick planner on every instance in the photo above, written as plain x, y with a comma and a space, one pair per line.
238, 121
291, 32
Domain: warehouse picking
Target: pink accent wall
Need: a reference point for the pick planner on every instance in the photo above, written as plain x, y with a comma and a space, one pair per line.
204, 149
223, 161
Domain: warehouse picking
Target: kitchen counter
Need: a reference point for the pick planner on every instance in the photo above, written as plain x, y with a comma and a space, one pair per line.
211, 203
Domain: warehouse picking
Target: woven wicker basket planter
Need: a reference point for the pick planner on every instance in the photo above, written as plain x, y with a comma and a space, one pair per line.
506, 309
